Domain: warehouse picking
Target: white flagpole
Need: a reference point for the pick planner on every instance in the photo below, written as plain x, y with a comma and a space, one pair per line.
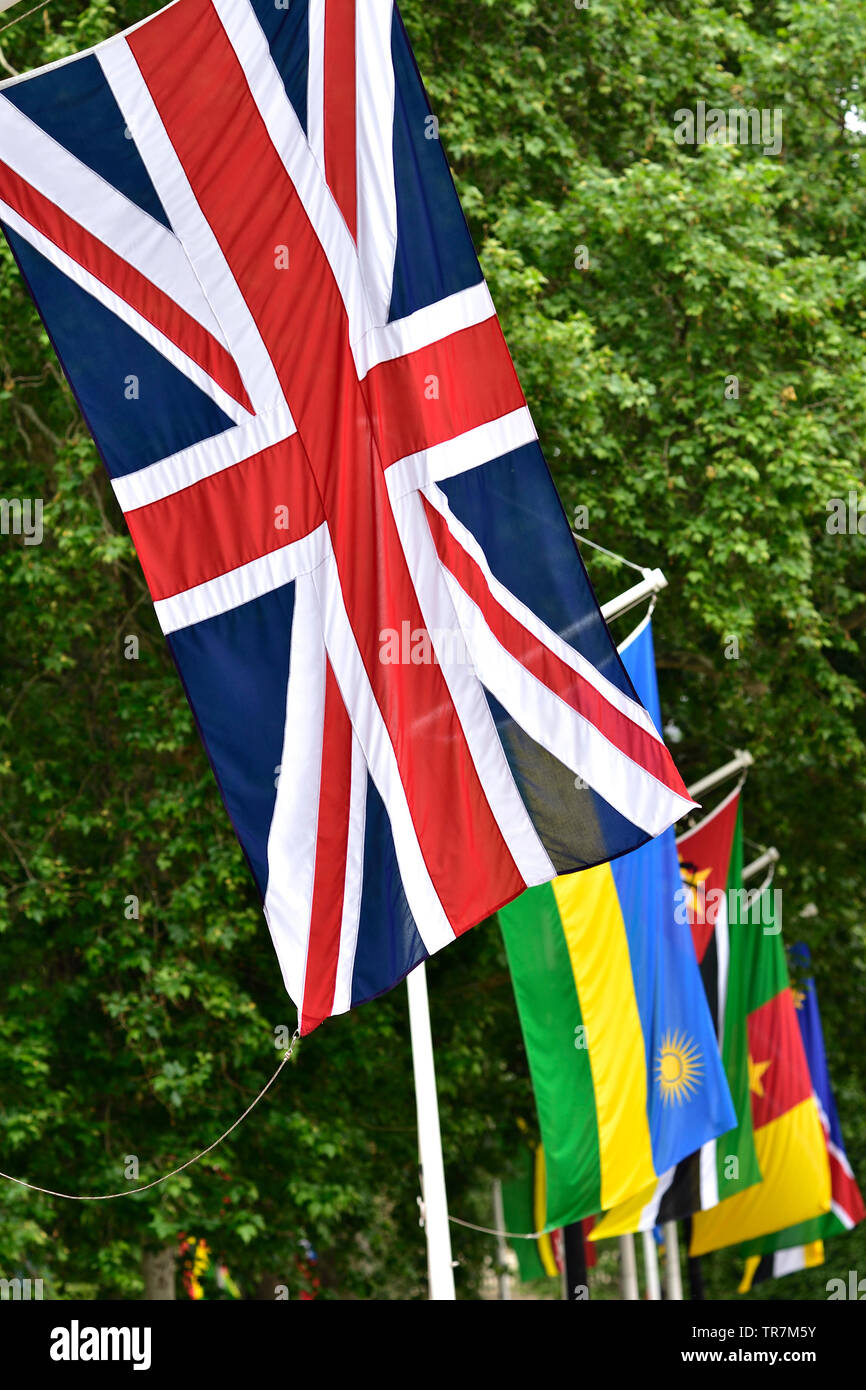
440, 1269
651, 1267
673, 1273
501, 1243
628, 1269
652, 583
764, 861
739, 763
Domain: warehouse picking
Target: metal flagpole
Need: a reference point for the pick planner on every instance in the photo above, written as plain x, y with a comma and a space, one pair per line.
574, 1263
501, 1244
693, 1265
652, 583
766, 860
739, 763
628, 1269
440, 1269
651, 1267
673, 1274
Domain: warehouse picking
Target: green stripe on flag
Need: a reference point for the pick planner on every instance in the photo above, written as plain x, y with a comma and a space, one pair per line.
520, 1217
549, 1009
736, 1159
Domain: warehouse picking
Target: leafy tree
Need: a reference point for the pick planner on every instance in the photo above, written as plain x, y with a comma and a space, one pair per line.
636, 278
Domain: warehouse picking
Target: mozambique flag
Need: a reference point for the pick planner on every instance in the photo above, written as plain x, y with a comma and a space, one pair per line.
711, 862
622, 1052
801, 1247
788, 1137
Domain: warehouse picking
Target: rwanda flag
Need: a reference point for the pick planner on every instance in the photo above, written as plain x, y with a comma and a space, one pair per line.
621, 1046
712, 901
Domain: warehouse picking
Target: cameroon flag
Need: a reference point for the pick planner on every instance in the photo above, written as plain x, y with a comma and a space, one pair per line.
621, 1046
788, 1137
801, 1247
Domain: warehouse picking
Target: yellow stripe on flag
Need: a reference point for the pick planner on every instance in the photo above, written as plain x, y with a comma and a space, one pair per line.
539, 1209
796, 1184
814, 1253
749, 1273
598, 949
625, 1218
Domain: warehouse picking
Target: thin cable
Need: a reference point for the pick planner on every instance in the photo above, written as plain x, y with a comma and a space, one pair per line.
578, 536
131, 1191
488, 1230
40, 6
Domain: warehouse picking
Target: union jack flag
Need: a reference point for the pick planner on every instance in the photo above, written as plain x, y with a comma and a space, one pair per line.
239, 227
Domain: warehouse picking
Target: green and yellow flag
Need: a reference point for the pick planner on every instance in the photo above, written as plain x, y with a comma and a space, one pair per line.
621, 1046
524, 1199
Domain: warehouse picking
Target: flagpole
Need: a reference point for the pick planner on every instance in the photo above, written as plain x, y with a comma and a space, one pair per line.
739, 763
574, 1263
501, 1243
628, 1269
651, 1267
673, 1273
652, 583
764, 861
693, 1265
440, 1270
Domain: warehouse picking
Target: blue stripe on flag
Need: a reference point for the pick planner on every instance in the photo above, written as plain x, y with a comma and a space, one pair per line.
812, 1033
170, 412
76, 107
388, 942
435, 256
235, 669
513, 510
671, 1000
564, 817
286, 27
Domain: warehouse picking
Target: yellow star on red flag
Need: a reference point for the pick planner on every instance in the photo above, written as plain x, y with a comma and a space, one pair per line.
756, 1072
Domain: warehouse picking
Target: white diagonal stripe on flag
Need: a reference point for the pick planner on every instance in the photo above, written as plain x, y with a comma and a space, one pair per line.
107, 214
558, 727
462, 453
242, 585
384, 342
103, 295
533, 624
200, 244
294, 829
284, 130
354, 881
473, 711
198, 461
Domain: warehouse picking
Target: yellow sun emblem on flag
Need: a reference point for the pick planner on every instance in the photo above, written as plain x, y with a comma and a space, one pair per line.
678, 1068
